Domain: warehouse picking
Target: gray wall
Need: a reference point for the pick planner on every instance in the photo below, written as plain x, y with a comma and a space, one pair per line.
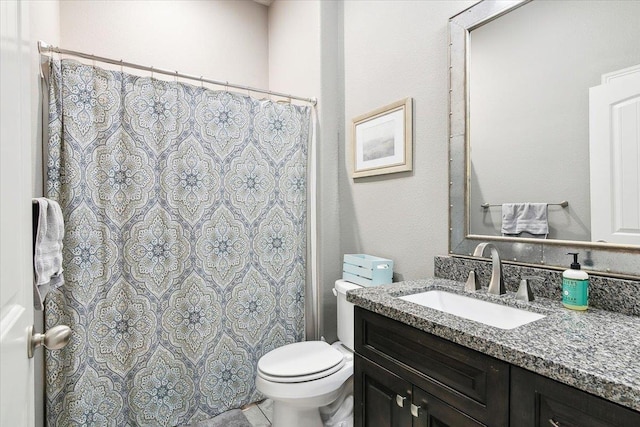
393, 50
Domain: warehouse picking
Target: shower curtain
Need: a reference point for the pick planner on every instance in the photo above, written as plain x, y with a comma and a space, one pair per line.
184, 250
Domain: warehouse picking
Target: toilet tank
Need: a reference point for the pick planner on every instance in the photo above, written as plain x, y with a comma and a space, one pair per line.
345, 312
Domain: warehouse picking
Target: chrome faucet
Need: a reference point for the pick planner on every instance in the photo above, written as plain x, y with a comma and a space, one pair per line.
496, 284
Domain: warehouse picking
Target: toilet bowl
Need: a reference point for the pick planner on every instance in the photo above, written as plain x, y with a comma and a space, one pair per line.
302, 377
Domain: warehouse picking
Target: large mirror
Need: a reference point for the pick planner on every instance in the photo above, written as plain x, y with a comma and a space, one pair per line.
525, 78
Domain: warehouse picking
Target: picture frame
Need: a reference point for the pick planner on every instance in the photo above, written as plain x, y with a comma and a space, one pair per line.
382, 140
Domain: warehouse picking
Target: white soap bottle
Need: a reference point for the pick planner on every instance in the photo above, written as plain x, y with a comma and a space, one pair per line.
575, 286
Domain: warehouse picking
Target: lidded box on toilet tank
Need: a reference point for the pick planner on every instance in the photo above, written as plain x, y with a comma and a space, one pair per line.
367, 270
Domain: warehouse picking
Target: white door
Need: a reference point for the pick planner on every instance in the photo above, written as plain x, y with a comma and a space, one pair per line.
614, 150
16, 297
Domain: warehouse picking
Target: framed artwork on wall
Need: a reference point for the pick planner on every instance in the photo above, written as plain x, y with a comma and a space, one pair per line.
383, 140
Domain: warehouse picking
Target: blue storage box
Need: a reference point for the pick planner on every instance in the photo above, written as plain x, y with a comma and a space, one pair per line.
367, 270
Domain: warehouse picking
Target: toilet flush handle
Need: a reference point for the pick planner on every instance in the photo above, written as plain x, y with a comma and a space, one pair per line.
335, 293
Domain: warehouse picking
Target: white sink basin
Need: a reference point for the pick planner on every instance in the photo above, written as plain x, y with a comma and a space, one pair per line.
497, 315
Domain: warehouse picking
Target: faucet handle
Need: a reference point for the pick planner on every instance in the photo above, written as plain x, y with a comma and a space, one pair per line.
472, 284
524, 290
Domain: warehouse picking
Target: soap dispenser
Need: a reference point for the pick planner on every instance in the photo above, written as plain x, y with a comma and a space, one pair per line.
575, 286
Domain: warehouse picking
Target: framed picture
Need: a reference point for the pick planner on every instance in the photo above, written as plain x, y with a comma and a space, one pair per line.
383, 140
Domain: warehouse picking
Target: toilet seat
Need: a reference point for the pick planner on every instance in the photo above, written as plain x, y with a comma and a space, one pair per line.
300, 362
322, 391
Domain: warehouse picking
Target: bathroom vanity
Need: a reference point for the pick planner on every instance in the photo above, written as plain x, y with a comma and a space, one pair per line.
416, 366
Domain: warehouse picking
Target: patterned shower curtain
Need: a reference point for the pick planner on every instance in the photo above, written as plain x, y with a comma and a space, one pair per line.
184, 250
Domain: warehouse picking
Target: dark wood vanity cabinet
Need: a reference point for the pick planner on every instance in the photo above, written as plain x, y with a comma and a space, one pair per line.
406, 377
410, 378
540, 401
383, 396
388, 400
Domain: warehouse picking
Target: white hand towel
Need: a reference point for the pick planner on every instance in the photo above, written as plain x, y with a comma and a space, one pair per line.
525, 217
47, 248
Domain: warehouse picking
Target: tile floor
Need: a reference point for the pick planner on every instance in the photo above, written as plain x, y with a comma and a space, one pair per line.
259, 414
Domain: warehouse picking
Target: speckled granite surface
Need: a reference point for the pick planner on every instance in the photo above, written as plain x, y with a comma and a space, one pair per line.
619, 295
597, 351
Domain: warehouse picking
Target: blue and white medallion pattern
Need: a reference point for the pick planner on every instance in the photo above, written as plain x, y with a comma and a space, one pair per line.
163, 390
275, 244
157, 111
92, 402
223, 120
252, 183
90, 99
277, 127
188, 179
184, 250
120, 333
120, 177
191, 318
294, 185
90, 253
223, 246
157, 249
251, 307
292, 299
228, 376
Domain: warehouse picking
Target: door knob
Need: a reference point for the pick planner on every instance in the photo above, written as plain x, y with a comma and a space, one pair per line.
54, 339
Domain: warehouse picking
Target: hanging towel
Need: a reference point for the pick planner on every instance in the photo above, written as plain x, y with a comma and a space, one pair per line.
525, 217
48, 231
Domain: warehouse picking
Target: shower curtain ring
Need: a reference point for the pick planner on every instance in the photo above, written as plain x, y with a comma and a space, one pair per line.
151, 71
121, 66
201, 82
226, 86
176, 76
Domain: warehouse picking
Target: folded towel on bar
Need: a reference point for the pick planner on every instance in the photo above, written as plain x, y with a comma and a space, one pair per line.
48, 231
525, 217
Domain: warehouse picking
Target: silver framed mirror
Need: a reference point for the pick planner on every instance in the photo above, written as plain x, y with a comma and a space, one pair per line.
609, 259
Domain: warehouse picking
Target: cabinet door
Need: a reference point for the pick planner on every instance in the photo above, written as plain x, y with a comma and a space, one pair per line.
382, 399
466, 379
537, 401
433, 412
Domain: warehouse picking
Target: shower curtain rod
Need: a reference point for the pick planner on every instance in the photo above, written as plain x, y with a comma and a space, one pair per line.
44, 48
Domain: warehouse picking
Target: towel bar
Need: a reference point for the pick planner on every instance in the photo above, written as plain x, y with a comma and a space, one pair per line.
563, 203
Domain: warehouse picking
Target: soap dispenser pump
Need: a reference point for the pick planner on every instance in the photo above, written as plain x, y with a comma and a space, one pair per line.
575, 286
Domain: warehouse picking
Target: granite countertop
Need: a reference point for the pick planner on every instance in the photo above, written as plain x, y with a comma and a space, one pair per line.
597, 351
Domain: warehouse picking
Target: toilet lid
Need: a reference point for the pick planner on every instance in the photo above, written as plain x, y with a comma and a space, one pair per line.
302, 361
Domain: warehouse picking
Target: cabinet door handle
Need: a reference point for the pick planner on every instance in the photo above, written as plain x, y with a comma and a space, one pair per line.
553, 423
400, 400
415, 410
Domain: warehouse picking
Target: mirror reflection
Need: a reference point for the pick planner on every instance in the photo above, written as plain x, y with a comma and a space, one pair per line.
536, 75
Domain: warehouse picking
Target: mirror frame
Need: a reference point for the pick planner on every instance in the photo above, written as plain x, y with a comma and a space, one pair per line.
598, 258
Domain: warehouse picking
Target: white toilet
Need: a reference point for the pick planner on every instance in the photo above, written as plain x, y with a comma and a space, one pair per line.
302, 377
